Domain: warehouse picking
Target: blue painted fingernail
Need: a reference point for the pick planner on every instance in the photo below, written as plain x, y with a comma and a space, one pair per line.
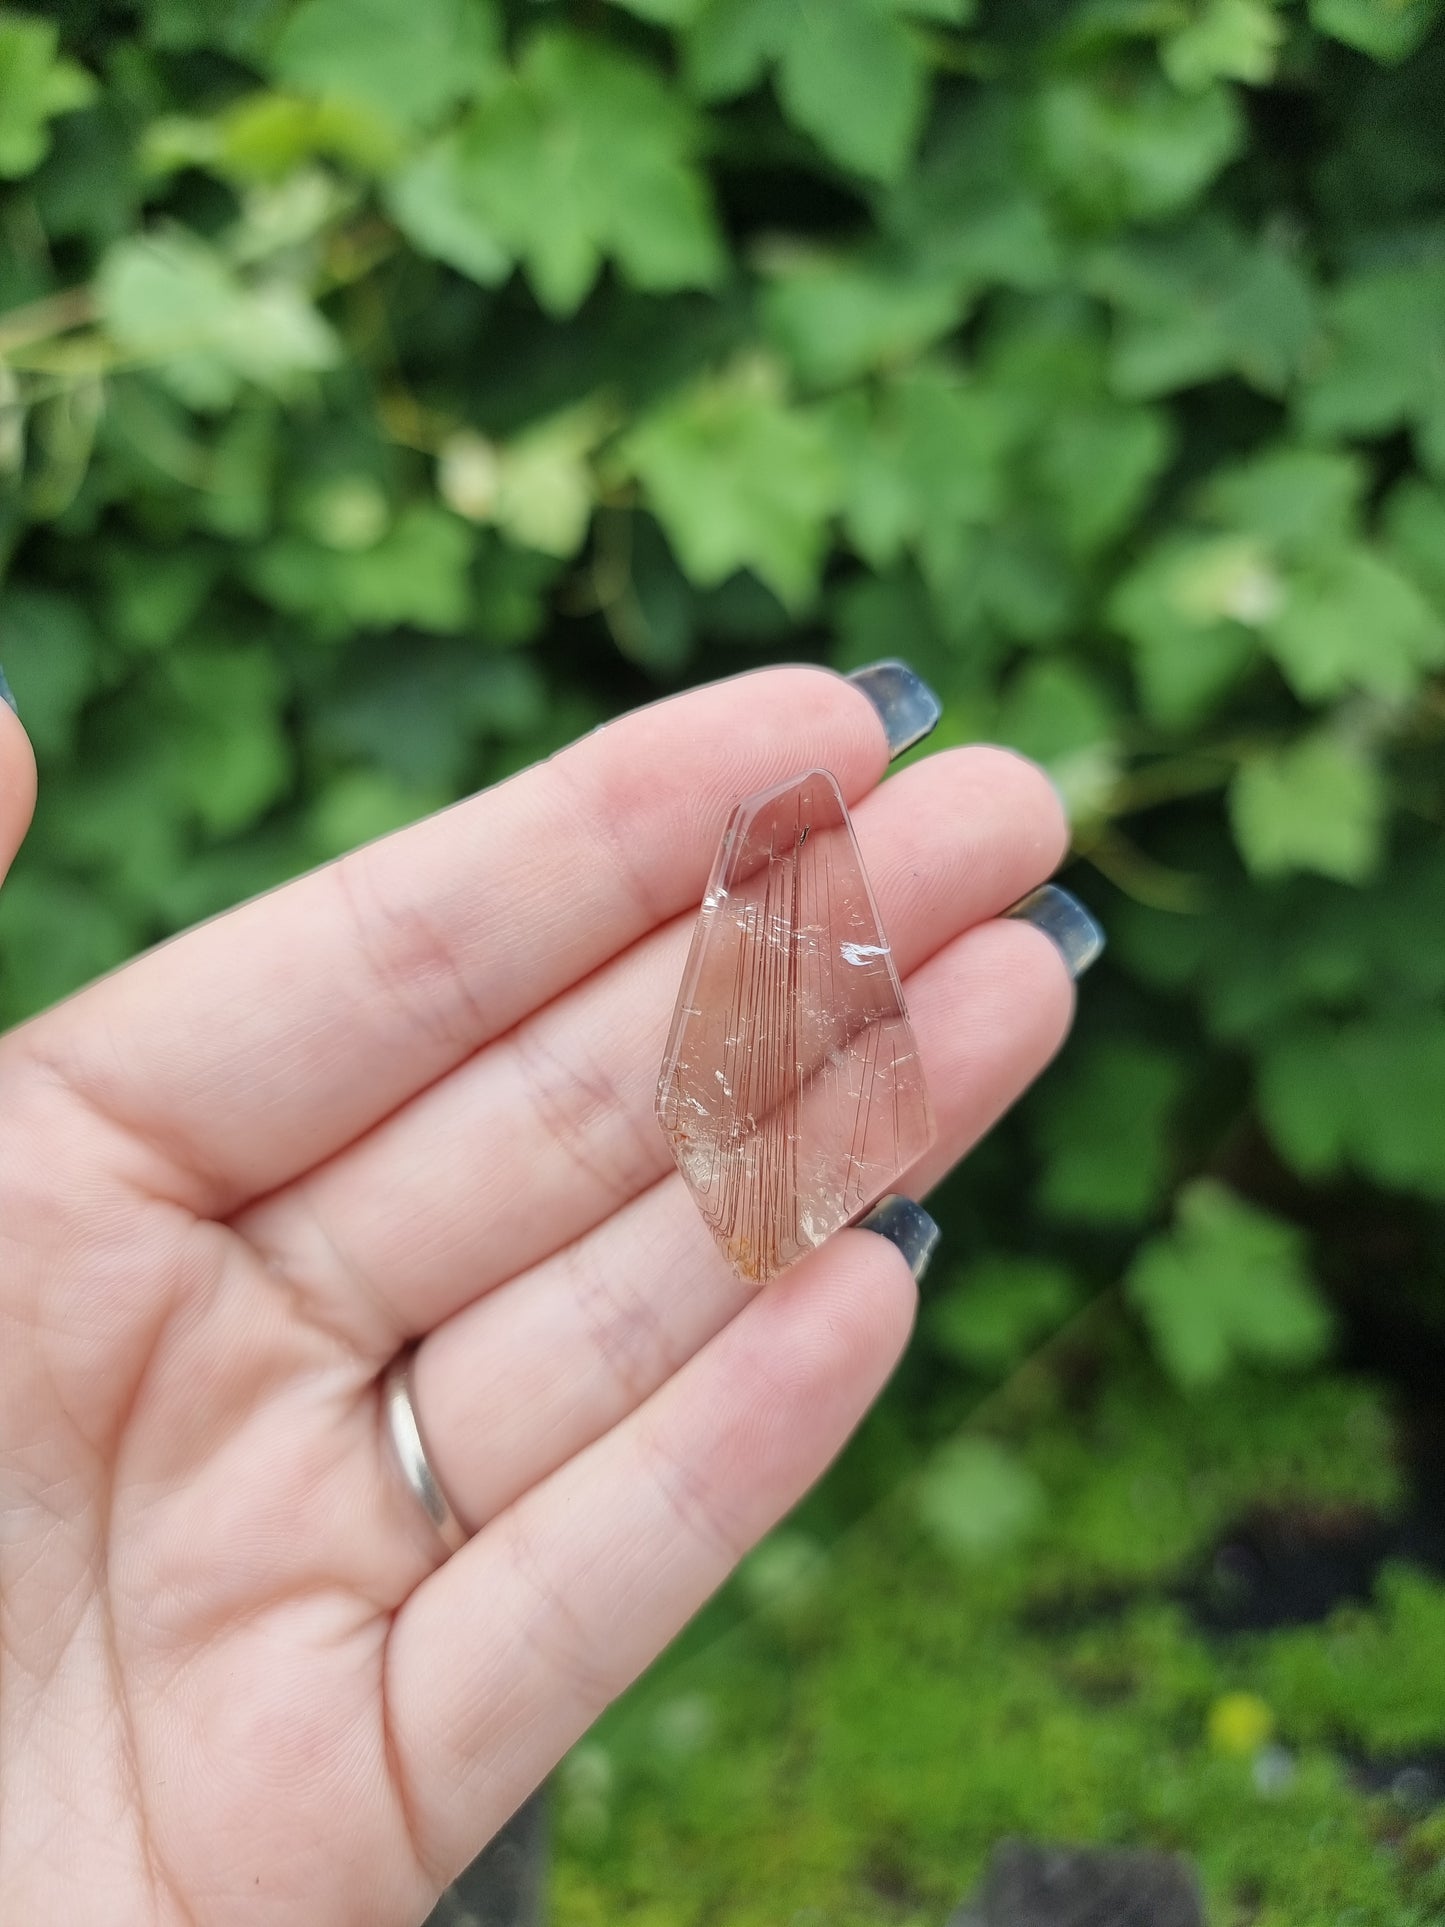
909, 708
6, 695
1065, 922
907, 1225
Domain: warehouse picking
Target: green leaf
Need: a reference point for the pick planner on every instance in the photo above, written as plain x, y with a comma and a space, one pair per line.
1351, 620
851, 74
995, 1312
1306, 1099
921, 462
969, 209
440, 203
731, 44
1387, 30
1205, 303
1066, 719
242, 28
267, 136
1191, 609
1365, 1093
52, 660
1228, 1284
409, 59
740, 478
1134, 151
1097, 464
55, 935
975, 1499
154, 598
1382, 364
852, 77
1299, 501
585, 154
227, 755
417, 573
950, 13
538, 488
664, 13
170, 300
1415, 531
36, 85
1226, 40
1052, 710
1104, 1130
420, 712
838, 317
1317, 804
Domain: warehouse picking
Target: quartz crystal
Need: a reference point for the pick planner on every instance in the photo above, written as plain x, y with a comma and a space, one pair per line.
791, 1091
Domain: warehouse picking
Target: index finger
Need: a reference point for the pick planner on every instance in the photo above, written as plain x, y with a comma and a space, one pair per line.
258, 1044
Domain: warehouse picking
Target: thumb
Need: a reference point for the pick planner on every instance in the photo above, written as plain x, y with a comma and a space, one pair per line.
17, 779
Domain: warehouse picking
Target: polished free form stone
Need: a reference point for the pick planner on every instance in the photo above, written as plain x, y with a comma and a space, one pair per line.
791, 1091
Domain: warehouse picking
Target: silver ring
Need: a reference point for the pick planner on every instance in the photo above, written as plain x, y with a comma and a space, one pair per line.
399, 1417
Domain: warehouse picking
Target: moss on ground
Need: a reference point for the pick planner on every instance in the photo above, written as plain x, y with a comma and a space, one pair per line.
851, 1728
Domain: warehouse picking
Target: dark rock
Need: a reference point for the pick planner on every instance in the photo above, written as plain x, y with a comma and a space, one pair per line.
1028, 1885
505, 1886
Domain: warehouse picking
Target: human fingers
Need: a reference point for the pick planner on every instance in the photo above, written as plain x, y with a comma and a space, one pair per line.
525, 1377
261, 1042
17, 779
529, 1144
500, 1660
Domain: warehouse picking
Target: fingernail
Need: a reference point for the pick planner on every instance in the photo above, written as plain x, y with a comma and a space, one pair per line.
907, 1225
909, 708
6, 695
1065, 922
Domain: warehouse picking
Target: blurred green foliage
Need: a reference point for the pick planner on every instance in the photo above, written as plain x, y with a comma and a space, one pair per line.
391, 389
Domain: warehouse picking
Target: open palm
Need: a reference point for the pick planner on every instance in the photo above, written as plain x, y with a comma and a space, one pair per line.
410, 1097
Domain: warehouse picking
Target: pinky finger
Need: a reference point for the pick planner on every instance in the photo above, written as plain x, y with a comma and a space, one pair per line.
17, 780
507, 1654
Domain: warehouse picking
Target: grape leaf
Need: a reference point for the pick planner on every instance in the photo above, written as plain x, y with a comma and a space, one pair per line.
1352, 620
994, 1312
1317, 804
583, 154
1229, 1283
1103, 1126
837, 317
1203, 303
740, 478
173, 301
1134, 151
1364, 1093
1387, 30
408, 59
850, 74
1225, 40
1382, 362
36, 85
1190, 609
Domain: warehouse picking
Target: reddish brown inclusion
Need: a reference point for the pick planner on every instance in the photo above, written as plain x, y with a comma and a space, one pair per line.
791, 1091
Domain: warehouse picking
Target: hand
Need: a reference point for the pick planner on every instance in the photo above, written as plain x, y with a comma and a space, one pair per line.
410, 1097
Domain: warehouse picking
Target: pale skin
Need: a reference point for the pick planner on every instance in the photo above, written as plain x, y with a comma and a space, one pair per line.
409, 1097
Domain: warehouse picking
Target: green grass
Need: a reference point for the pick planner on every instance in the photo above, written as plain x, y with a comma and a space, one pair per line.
851, 1728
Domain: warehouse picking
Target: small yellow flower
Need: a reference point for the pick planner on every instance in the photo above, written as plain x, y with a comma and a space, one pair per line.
1239, 1723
